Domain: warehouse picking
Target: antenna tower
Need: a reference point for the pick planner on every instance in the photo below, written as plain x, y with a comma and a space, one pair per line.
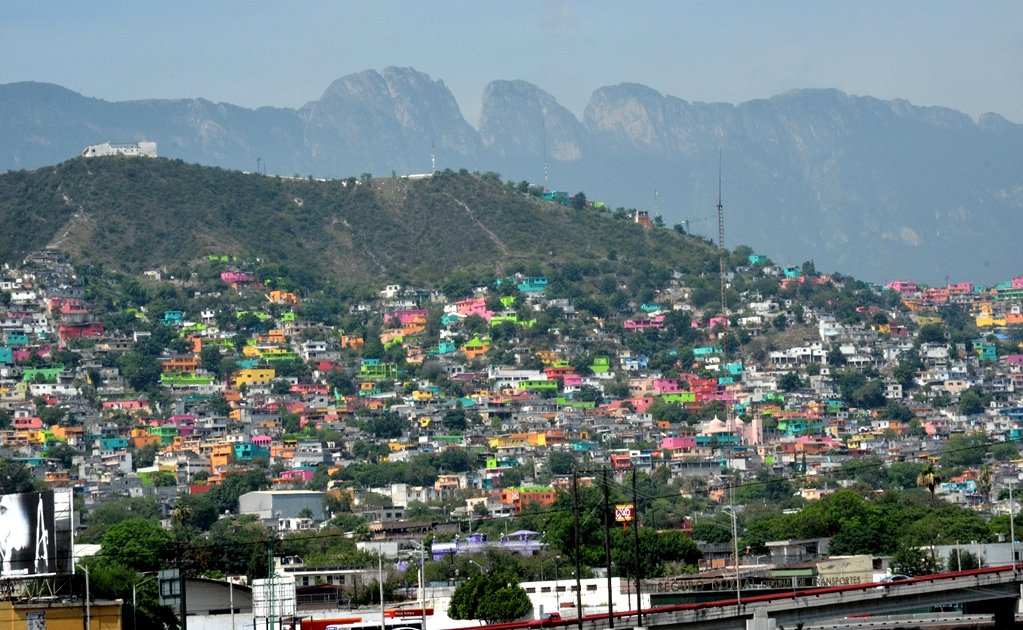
721, 241
546, 175
433, 159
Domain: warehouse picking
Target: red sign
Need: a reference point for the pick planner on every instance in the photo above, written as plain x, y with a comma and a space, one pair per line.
391, 613
624, 513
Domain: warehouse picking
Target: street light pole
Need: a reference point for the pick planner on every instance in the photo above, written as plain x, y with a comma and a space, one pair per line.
134, 600
735, 546
88, 610
1012, 529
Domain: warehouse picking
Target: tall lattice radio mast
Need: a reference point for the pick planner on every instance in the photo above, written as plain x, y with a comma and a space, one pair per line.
721, 242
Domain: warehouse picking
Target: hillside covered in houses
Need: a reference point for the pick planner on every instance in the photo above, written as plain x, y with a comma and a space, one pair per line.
215, 362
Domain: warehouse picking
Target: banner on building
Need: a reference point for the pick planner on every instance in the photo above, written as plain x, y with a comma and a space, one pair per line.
35, 534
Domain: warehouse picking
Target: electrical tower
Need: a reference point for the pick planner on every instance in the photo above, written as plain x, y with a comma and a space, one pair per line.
721, 242
546, 174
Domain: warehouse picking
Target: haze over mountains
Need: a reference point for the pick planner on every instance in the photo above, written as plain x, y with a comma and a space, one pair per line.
877, 189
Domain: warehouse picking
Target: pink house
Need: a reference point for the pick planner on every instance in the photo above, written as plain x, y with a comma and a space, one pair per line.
967, 287
1014, 360
474, 306
125, 405
655, 322
663, 386
24, 422
905, 287
237, 277
678, 443
572, 380
262, 440
406, 316
718, 321
297, 475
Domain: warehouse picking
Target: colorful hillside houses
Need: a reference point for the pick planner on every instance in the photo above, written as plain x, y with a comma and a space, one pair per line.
237, 277
377, 370
253, 376
757, 259
353, 342
283, 297
511, 319
600, 365
475, 347
654, 322
986, 351
536, 284
470, 306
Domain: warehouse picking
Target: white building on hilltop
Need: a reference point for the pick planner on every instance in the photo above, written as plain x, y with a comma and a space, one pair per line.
135, 149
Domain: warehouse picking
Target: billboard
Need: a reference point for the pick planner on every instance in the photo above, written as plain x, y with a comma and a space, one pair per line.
274, 597
35, 533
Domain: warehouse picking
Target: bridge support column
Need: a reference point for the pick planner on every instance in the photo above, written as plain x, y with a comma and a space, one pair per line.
1004, 611
761, 621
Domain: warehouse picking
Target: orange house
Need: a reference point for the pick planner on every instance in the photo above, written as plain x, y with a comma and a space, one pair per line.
283, 297
519, 497
179, 364
222, 455
142, 437
353, 342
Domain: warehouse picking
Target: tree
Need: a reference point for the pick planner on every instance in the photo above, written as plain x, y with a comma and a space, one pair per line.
790, 382
913, 561
1005, 451
137, 544
493, 598
929, 478
15, 477
560, 463
454, 420
964, 450
931, 333
973, 401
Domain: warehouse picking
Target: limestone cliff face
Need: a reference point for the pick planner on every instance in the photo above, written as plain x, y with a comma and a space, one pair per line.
519, 120
390, 120
873, 188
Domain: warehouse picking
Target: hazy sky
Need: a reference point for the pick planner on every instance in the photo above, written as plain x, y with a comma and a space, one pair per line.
964, 55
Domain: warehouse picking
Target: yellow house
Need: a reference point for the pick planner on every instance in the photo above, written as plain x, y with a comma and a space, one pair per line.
283, 297
547, 356
519, 439
57, 615
253, 376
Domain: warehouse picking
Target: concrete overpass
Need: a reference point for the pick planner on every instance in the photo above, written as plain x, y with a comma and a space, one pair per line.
990, 591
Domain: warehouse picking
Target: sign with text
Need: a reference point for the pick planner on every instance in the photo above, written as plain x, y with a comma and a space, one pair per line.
624, 513
35, 533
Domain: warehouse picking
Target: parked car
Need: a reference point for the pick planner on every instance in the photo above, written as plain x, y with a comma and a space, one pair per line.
548, 619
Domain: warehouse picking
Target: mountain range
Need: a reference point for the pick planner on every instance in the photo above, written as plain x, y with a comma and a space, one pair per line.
873, 188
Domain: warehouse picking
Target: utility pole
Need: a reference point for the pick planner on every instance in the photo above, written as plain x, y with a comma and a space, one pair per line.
1012, 529
271, 622
182, 584
607, 551
735, 543
380, 580
576, 541
635, 538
